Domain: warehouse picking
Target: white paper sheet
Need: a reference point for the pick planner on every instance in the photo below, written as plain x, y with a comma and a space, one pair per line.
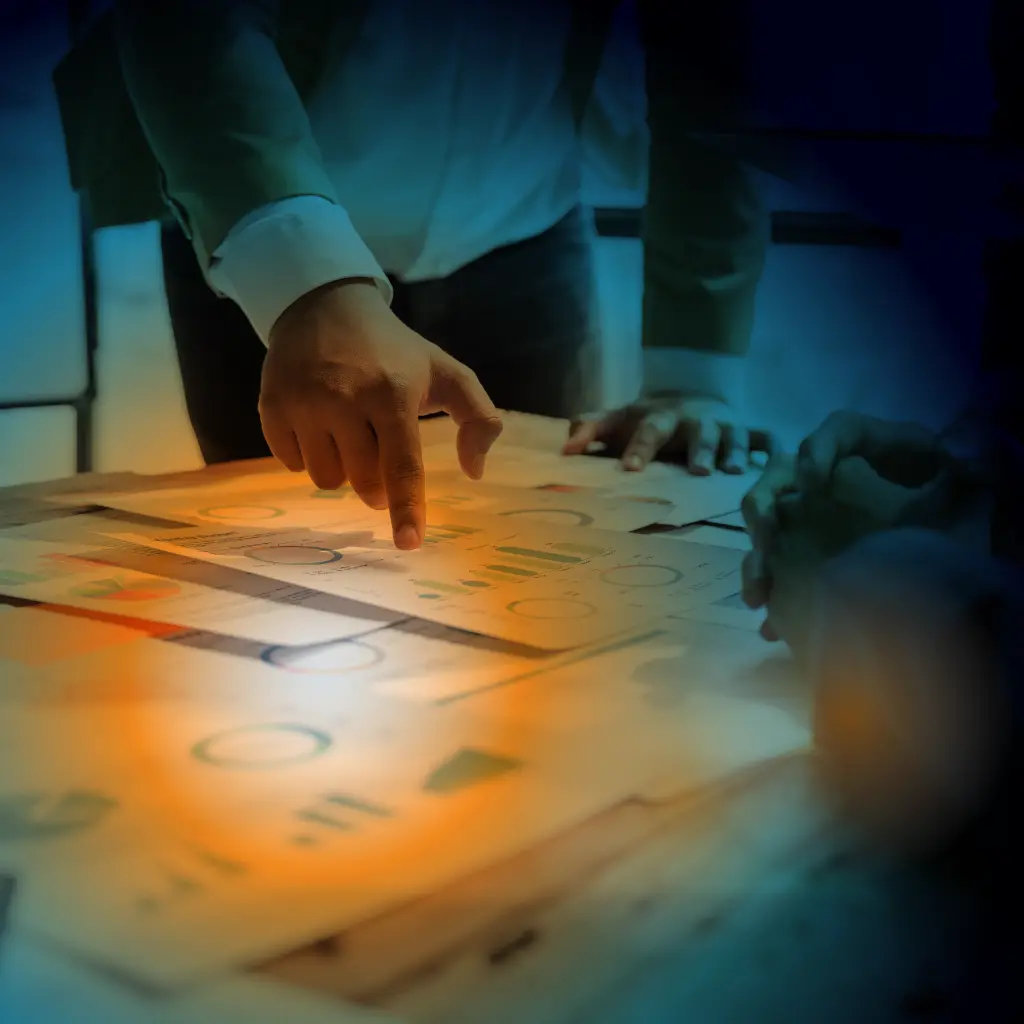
244, 605
247, 833
177, 840
529, 583
286, 500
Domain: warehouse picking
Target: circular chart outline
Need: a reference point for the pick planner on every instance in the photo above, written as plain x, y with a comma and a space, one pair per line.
582, 518
514, 608
268, 655
211, 513
321, 740
676, 574
336, 556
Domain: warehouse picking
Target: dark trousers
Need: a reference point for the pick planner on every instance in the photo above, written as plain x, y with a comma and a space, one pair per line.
522, 317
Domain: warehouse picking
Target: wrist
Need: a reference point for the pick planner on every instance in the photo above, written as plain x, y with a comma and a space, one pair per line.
282, 253
682, 373
351, 302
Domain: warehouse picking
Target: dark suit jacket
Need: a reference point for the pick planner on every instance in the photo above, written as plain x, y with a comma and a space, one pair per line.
198, 106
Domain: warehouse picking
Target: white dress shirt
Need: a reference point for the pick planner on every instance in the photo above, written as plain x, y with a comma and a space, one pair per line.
447, 134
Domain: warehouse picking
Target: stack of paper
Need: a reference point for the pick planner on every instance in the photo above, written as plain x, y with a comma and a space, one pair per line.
235, 719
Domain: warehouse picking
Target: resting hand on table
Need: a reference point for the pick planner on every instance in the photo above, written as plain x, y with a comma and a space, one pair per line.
702, 433
344, 384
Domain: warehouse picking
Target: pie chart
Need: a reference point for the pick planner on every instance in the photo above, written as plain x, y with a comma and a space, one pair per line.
262, 746
294, 554
336, 657
642, 576
248, 513
127, 589
551, 608
554, 515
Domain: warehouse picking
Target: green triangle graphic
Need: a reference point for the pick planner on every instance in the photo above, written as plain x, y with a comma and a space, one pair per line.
38, 816
467, 768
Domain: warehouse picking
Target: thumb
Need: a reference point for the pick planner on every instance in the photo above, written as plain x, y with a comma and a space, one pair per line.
457, 390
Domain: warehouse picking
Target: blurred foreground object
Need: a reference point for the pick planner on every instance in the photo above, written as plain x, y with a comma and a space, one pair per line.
882, 554
915, 654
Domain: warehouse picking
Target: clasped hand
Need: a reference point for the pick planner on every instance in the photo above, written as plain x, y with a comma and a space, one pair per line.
853, 476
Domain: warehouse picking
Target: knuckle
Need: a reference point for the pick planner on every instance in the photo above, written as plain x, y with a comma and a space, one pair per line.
654, 430
838, 418
806, 448
464, 376
393, 395
841, 423
405, 470
389, 384
271, 405
647, 436
492, 423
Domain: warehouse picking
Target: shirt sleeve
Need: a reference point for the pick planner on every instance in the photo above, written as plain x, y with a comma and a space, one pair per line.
706, 228
286, 249
718, 375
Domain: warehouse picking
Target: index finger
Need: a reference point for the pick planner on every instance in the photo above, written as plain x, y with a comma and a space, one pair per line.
401, 463
584, 432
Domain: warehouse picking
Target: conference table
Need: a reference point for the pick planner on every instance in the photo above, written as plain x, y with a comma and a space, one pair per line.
747, 900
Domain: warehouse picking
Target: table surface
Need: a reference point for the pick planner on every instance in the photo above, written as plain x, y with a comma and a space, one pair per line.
744, 902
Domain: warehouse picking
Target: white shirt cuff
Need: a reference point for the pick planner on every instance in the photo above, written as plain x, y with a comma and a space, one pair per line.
285, 250
714, 374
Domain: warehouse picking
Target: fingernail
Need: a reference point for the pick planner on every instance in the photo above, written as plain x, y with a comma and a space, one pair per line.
734, 464
703, 463
407, 538
632, 462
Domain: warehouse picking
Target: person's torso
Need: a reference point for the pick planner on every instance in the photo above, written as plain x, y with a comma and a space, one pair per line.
447, 129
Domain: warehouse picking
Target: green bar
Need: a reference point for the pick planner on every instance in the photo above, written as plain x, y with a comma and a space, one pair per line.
493, 576
339, 800
511, 569
579, 549
316, 818
457, 529
526, 563
548, 556
434, 585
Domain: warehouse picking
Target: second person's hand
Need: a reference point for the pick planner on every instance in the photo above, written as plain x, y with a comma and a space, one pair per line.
703, 433
344, 384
